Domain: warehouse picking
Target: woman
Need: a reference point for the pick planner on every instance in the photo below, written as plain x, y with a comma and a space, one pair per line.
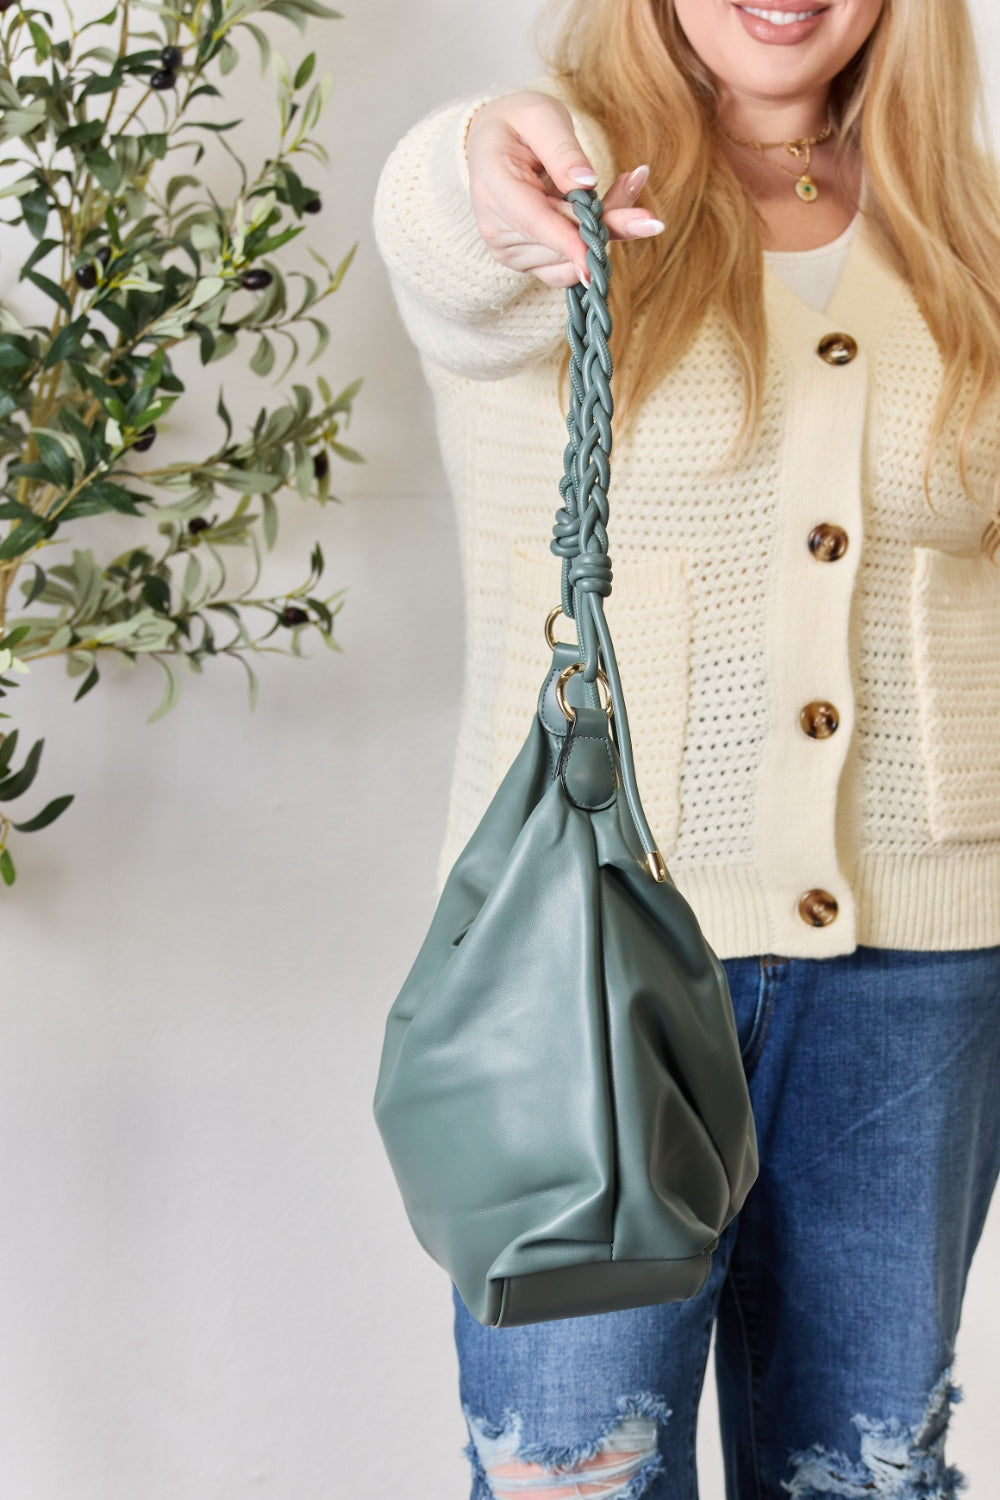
806, 607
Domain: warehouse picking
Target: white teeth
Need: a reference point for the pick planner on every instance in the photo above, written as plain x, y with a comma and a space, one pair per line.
780, 17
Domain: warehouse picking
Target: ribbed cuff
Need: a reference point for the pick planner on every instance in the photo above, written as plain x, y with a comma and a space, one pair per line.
424, 226
485, 282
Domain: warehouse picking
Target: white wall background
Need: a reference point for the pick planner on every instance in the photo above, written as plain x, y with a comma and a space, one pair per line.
208, 1288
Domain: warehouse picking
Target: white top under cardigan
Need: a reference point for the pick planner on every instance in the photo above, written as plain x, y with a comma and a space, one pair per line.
726, 623
813, 274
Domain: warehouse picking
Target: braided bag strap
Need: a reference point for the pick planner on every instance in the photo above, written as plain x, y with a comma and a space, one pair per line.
580, 535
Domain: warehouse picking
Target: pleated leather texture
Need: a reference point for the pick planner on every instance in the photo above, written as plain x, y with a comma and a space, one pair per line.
560, 1092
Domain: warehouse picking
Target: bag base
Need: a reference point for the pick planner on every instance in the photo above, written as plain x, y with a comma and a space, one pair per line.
601, 1286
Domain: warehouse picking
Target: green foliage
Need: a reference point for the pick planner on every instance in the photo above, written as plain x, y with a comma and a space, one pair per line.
101, 162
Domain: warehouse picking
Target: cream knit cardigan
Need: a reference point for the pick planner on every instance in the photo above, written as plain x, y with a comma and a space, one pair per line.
725, 623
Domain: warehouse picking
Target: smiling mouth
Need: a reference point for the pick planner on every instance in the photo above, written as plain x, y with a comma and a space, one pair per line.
781, 17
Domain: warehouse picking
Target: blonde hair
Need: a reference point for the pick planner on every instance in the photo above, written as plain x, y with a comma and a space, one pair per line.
908, 102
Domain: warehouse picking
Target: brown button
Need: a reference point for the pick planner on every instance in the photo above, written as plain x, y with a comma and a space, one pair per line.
819, 719
827, 542
837, 348
817, 908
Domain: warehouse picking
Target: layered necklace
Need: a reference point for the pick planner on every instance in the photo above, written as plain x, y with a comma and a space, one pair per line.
804, 185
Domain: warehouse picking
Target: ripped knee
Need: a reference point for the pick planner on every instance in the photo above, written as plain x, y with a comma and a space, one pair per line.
896, 1463
618, 1464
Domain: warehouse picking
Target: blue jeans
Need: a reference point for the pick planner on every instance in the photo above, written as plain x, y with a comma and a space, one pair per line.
836, 1292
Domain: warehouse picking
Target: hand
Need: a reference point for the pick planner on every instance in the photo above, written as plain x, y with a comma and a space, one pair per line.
523, 156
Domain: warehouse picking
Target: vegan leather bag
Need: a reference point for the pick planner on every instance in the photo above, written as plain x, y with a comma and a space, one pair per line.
560, 1091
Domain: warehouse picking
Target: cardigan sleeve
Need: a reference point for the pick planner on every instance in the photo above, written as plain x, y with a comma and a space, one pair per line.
462, 308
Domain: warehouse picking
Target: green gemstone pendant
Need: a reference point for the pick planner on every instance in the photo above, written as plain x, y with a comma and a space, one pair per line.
806, 188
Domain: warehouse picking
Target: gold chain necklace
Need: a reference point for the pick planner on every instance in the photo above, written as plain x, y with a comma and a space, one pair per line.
804, 185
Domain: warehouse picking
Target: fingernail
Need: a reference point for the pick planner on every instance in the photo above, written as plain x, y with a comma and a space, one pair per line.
636, 181
583, 275
642, 228
583, 175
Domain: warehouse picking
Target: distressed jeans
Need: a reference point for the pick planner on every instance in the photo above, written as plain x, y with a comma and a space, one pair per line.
836, 1292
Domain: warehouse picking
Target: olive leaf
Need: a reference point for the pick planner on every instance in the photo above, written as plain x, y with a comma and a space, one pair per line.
103, 140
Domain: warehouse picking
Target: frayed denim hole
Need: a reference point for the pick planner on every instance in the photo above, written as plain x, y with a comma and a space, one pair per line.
896, 1463
633, 1428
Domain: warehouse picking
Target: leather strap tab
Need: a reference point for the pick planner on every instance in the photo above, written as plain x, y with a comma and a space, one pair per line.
587, 763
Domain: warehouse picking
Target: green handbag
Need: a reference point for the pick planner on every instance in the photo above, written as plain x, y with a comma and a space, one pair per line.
560, 1091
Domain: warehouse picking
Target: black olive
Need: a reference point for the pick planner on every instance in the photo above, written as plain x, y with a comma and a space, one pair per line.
86, 277
171, 57
198, 523
104, 254
145, 440
163, 78
321, 464
292, 615
256, 281
312, 206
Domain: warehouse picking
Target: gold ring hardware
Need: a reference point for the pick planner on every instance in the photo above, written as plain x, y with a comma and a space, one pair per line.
568, 711
550, 621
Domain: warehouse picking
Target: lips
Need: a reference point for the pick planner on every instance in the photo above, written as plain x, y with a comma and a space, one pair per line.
782, 21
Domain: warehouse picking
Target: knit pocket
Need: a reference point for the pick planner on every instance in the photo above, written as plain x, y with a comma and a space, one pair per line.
649, 614
955, 606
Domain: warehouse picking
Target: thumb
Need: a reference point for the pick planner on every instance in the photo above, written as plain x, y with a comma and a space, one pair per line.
548, 132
